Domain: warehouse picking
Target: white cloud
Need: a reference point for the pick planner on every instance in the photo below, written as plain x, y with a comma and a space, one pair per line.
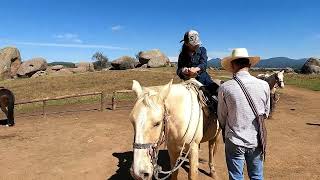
173, 58
68, 37
116, 28
70, 45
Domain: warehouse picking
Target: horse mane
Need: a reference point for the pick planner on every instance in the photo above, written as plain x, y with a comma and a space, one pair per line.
274, 74
148, 99
150, 95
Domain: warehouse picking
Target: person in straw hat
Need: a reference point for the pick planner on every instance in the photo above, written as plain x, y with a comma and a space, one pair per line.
237, 117
192, 61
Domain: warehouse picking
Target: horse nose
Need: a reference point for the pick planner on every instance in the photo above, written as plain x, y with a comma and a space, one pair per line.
145, 175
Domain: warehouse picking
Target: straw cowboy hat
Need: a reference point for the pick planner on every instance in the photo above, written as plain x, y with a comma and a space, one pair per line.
236, 54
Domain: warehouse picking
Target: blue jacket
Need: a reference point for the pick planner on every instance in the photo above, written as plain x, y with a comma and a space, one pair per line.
198, 59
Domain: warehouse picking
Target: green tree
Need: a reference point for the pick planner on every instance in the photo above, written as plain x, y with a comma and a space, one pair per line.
100, 60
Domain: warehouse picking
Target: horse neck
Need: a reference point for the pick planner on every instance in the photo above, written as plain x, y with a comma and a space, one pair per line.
180, 123
272, 80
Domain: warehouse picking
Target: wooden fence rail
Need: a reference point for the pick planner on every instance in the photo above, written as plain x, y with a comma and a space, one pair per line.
44, 100
102, 99
114, 95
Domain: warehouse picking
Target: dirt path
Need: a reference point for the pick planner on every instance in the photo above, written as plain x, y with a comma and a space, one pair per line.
97, 145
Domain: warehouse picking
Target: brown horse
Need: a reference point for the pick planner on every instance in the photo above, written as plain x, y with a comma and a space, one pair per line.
7, 104
274, 80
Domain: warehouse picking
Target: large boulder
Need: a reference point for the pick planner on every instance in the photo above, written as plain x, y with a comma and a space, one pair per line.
157, 62
30, 67
39, 74
86, 65
10, 62
78, 70
124, 62
311, 66
57, 67
62, 72
82, 67
288, 70
154, 58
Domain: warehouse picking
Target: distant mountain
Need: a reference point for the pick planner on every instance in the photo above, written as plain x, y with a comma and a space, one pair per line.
215, 62
281, 62
276, 62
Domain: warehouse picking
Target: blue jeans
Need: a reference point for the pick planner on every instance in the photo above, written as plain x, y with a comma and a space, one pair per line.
235, 157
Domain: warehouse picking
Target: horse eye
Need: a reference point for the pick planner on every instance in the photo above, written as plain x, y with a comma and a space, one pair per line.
157, 124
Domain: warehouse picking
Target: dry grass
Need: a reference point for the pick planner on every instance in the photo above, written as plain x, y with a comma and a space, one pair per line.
109, 81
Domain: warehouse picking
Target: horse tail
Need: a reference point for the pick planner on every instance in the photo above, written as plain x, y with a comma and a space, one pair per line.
11, 101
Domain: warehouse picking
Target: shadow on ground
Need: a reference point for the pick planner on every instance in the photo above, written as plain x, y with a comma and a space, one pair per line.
313, 124
125, 160
3, 122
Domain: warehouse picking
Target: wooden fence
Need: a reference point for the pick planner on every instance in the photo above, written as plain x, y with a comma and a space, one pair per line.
102, 99
114, 96
45, 100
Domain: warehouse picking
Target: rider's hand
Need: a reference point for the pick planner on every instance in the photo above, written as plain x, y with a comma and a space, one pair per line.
194, 70
185, 71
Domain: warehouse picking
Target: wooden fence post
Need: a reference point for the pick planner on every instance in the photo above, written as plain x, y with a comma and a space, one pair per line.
102, 108
114, 103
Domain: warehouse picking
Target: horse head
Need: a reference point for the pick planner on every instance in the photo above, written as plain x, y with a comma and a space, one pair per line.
147, 118
279, 78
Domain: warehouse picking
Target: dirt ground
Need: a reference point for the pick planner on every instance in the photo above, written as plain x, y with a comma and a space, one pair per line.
97, 145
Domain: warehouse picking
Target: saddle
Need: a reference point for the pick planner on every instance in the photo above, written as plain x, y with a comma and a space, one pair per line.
207, 96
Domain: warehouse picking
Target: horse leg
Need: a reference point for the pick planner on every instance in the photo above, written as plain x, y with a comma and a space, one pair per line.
213, 144
11, 112
4, 109
194, 161
174, 155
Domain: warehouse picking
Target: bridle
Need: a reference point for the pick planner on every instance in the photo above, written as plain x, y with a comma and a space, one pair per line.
154, 146
278, 81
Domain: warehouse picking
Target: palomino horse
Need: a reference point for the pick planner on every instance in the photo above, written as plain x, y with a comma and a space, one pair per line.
7, 104
170, 113
275, 80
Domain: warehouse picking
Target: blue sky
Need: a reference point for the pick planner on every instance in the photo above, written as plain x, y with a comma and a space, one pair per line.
72, 30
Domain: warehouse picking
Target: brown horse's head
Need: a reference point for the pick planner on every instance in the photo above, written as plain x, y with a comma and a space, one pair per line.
147, 117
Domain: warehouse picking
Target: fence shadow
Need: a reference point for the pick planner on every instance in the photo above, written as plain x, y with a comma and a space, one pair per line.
313, 124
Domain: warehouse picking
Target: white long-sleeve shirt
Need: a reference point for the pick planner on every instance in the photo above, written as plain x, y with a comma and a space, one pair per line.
235, 113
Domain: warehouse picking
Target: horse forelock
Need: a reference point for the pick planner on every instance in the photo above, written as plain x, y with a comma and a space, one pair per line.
148, 99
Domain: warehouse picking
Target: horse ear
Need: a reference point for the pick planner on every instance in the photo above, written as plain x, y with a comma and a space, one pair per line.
136, 87
282, 71
165, 91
